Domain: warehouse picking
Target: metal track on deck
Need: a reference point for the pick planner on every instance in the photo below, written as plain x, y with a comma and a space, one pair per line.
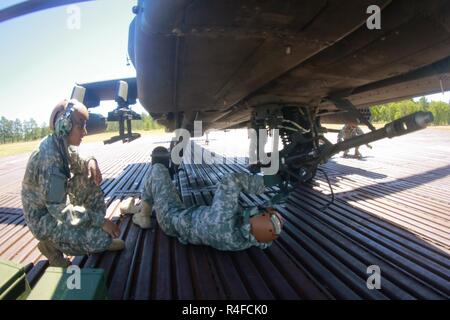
401, 225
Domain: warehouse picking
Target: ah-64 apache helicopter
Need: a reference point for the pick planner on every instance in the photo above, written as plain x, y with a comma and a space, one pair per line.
287, 65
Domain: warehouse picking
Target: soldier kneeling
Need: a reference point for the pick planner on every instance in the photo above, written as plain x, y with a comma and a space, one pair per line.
63, 204
222, 225
349, 131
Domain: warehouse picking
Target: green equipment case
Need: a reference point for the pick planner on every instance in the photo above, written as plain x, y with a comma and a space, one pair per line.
13, 281
61, 284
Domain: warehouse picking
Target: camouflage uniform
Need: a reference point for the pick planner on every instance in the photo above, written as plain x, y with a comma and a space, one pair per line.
60, 203
221, 225
348, 132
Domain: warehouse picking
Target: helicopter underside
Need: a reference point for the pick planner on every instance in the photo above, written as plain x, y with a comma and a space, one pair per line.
216, 61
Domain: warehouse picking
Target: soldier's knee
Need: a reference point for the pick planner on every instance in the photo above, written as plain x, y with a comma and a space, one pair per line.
158, 169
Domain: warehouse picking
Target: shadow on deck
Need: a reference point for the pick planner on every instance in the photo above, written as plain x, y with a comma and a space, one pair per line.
320, 255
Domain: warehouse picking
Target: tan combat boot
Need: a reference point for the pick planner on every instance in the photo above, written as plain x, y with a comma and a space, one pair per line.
142, 218
54, 256
128, 206
116, 245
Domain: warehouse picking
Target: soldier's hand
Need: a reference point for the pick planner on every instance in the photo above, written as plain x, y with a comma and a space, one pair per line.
94, 172
111, 228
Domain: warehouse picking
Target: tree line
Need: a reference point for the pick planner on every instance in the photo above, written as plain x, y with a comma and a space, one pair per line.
29, 130
17, 130
145, 124
391, 111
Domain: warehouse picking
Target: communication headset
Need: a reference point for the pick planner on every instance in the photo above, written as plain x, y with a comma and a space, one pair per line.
63, 124
266, 226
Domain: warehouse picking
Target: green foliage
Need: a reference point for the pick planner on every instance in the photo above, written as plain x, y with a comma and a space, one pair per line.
28, 130
146, 124
15, 131
391, 111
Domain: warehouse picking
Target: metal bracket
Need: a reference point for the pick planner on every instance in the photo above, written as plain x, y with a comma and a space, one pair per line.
346, 105
121, 115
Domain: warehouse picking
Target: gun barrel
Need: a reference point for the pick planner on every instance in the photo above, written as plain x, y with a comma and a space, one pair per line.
408, 124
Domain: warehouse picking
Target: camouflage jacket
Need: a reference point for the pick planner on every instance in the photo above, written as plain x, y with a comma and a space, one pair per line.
348, 132
45, 188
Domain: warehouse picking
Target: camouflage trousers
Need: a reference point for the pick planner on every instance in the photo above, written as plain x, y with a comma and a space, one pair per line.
78, 240
220, 225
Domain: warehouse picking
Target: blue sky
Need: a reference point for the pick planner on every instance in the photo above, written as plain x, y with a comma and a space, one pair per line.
42, 58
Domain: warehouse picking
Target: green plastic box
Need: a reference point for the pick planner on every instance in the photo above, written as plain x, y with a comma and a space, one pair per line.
59, 284
13, 281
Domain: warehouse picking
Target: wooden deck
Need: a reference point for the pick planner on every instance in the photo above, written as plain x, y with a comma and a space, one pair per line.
391, 210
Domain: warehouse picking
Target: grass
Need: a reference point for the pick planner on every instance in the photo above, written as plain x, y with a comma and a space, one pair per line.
11, 149
441, 127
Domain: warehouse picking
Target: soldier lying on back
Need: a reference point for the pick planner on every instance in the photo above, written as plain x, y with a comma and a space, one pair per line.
223, 225
62, 202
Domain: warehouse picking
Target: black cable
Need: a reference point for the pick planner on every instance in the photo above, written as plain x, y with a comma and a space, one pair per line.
325, 207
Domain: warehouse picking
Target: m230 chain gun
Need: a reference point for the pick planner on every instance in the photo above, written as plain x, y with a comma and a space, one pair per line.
301, 167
